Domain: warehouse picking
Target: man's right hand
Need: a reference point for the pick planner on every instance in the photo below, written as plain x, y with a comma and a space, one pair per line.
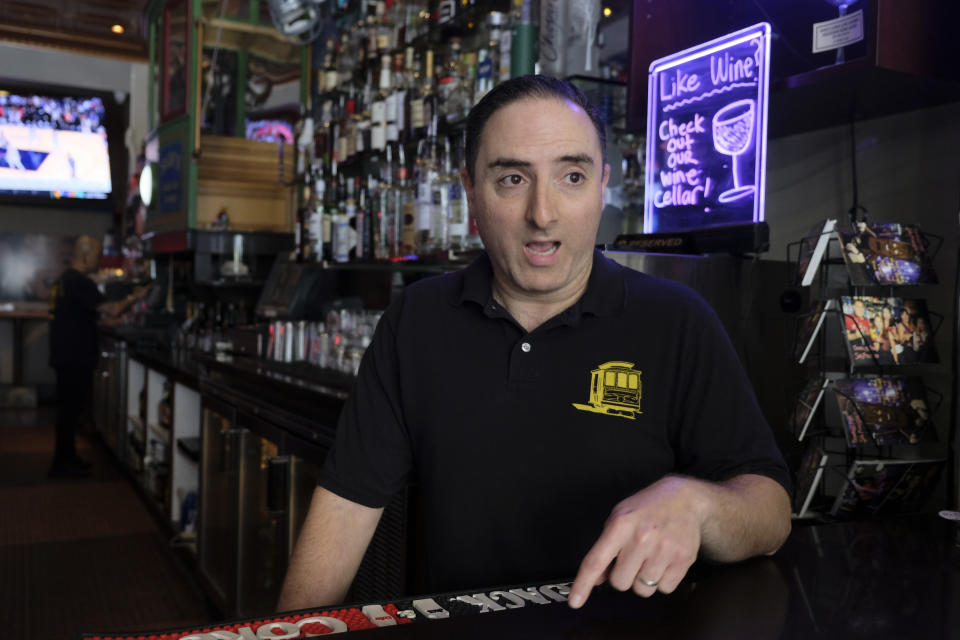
648, 543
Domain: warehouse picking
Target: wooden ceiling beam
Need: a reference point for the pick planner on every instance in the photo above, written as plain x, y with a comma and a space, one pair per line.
111, 47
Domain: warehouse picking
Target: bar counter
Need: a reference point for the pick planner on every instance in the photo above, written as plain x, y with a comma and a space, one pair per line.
303, 398
225, 451
190, 366
889, 578
874, 579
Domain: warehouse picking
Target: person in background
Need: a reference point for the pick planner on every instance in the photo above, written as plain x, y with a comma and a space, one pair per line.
906, 328
858, 325
921, 335
78, 307
484, 384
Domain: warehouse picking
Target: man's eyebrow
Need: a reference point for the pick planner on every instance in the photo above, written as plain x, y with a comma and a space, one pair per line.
576, 158
508, 162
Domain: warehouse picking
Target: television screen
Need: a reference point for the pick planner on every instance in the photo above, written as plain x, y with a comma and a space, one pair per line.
270, 131
53, 146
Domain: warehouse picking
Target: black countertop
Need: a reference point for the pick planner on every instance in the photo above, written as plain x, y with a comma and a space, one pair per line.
180, 365
295, 377
875, 580
149, 347
303, 399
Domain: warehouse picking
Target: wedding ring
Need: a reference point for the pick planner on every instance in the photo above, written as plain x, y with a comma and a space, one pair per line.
649, 583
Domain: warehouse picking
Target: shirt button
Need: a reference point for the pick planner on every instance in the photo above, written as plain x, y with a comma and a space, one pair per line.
526, 347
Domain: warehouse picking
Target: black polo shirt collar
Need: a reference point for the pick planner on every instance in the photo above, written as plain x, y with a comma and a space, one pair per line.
605, 294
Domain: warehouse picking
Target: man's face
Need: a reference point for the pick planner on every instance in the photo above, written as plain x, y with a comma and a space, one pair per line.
537, 196
91, 259
859, 309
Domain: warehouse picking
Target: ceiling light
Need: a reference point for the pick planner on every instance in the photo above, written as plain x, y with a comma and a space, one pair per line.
117, 28
607, 12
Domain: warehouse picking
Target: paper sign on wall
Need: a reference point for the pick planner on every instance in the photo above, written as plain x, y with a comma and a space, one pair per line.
837, 33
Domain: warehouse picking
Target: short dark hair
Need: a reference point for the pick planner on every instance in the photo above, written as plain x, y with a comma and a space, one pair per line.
532, 86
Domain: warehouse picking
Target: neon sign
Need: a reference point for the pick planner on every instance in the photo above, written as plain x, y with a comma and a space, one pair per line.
707, 133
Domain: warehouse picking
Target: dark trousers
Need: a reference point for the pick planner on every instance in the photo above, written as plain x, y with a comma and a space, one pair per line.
74, 398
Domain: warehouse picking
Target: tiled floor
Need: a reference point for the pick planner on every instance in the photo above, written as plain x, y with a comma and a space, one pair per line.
81, 555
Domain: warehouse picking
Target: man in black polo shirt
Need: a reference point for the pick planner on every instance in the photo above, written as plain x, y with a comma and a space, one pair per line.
560, 412
78, 306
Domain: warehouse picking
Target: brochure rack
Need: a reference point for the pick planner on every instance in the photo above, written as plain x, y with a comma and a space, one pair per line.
865, 420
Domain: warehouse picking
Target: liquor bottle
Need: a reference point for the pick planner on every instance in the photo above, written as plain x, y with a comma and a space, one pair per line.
422, 20
343, 234
386, 41
455, 85
357, 134
494, 39
346, 60
298, 235
357, 221
409, 84
365, 216
315, 220
361, 120
523, 46
384, 233
379, 116
405, 201
441, 213
397, 19
330, 211
426, 176
326, 76
457, 225
581, 43
396, 98
468, 63
449, 78
348, 211
553, 32
342, 140
424, 106
506, 47
359, 36
488, 59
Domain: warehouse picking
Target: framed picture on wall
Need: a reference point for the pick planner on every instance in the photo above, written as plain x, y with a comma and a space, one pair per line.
176, 58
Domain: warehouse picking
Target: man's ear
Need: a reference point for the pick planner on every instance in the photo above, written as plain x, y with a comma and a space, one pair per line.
469, 191
468, 186
466, 182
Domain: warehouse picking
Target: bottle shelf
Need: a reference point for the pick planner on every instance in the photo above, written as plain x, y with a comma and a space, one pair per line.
160, 431
190, 447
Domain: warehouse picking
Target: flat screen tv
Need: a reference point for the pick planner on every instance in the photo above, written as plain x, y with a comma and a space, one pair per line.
61, 146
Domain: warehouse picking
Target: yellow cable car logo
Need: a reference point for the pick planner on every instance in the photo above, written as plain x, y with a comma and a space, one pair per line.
615, 390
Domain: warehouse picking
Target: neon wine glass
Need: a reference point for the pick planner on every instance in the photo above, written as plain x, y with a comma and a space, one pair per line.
732, 135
